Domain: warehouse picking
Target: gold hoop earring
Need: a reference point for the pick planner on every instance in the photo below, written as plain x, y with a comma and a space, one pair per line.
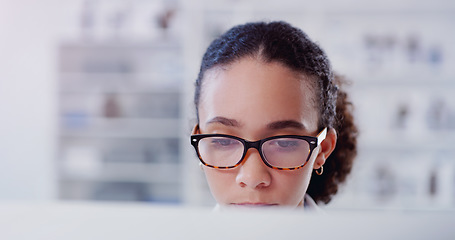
319, 171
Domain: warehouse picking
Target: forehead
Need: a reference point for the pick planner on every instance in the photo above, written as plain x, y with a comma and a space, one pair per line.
251, 71
250, 89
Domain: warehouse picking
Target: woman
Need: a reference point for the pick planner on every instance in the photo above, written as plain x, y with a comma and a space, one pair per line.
269, 115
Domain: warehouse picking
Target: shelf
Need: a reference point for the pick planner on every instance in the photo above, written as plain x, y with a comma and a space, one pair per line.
135, 80
331, 6
124, 128
400, 141
401, 82
151, 89
159, 173
405, 147
170, 43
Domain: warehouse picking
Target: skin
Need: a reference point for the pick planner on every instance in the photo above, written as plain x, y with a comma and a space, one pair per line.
254, 100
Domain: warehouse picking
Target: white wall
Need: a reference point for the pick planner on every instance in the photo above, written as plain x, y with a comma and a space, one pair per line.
29, 33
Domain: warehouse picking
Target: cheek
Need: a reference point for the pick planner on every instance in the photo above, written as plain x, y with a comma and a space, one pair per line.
292, 185
220, 182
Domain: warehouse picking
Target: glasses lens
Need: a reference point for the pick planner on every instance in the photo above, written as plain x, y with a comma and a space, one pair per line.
220, 151
286, 152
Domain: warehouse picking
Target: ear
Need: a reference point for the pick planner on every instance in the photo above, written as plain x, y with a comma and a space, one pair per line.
326, 148
195, 129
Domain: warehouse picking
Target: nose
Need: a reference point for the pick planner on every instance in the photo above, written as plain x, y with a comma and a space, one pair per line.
253, 173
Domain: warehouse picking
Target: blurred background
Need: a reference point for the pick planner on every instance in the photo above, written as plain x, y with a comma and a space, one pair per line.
96, 96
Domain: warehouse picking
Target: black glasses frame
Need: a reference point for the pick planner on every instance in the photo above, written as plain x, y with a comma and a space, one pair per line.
312, 141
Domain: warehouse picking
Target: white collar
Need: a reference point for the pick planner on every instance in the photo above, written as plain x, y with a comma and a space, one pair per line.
310, 204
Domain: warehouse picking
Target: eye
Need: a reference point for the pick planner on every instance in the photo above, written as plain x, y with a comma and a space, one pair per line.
283, 145
286, 143
223, 142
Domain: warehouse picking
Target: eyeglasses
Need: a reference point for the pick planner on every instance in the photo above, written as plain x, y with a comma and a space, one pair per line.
286, 152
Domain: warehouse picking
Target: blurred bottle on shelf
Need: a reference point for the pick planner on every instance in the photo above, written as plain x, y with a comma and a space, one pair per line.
87, 19
112, 107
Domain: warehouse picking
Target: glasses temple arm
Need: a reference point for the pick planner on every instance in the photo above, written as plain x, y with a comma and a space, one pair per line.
321, 136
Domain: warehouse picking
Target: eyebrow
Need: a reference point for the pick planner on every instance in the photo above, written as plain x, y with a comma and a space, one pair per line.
285, 124
273, 126
225, 121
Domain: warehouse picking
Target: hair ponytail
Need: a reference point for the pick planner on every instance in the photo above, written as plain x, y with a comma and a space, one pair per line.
338, 165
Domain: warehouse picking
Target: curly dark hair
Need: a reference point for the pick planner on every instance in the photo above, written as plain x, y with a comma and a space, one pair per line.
281, 42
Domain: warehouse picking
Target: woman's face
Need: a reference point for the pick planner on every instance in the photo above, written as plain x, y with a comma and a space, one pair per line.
254, 100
